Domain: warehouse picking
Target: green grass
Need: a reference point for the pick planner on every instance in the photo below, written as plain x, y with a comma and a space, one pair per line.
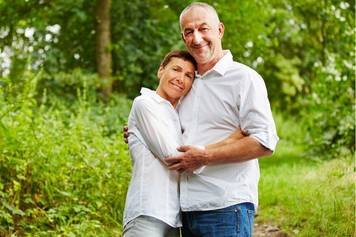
306, 196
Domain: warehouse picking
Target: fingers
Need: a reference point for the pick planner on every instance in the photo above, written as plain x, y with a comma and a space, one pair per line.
177, 167
184, 148
172, 160
125, 130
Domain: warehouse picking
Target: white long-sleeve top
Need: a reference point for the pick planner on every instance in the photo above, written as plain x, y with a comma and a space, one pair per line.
154, 133
229, 96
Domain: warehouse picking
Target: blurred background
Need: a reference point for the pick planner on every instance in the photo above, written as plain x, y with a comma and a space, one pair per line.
70, 69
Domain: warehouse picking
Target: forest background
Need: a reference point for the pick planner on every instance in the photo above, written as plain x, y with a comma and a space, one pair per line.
70, 69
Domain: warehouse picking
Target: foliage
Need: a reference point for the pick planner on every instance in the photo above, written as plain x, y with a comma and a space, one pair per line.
60, 36
330, 114
142, 35
64, 167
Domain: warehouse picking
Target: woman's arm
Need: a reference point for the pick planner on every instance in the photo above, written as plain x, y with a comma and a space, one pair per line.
156, 129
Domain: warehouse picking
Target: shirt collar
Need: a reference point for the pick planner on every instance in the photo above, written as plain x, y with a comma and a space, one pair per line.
222, 65
152, 94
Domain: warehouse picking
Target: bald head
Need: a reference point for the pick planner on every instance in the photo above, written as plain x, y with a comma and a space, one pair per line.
205, 6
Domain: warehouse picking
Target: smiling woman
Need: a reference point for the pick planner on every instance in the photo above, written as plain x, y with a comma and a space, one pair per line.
176, 78
152, 203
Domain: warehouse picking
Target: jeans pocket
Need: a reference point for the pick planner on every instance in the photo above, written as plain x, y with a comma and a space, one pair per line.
238, 219
245, 218
251, 219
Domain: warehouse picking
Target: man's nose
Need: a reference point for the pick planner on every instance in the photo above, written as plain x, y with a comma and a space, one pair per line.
197, 38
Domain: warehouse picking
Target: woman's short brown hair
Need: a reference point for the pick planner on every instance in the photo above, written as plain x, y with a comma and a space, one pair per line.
178, 54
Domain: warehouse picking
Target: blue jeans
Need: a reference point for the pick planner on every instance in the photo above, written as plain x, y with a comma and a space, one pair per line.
233, 221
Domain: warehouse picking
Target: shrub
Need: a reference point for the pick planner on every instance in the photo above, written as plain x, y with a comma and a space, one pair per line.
64, 168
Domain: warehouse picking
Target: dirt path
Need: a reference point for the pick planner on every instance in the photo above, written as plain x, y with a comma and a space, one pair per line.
268, 230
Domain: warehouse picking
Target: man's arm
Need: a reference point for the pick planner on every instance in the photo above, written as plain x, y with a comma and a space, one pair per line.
237, 135
237, 147
236, 150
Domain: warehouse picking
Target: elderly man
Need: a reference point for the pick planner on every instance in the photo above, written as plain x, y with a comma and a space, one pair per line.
219, 187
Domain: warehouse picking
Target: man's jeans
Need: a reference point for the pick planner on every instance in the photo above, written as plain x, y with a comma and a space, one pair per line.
233, 221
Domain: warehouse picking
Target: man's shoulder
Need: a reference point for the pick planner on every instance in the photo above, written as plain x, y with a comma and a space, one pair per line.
244, 71
243, 67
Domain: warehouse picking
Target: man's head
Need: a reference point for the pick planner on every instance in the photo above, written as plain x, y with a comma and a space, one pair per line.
176, 75
202, 32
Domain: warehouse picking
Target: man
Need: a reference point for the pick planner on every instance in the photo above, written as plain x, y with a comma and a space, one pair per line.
218, 186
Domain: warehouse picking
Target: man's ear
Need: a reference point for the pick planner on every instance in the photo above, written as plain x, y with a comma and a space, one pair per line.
182, 36
221, 30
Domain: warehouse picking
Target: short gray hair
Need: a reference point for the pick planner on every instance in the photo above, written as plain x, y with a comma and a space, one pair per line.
201, 5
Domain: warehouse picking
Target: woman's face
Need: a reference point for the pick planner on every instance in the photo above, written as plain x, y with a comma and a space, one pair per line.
175, 79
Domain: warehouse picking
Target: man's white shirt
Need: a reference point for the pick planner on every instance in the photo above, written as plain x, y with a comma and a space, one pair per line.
154, 133
229, 96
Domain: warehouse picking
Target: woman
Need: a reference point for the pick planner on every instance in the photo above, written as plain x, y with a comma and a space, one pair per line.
152, 202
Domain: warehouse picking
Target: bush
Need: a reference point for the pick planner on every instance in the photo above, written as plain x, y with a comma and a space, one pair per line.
64, 167
330, 110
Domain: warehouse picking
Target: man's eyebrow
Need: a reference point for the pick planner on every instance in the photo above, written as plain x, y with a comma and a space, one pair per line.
200, 25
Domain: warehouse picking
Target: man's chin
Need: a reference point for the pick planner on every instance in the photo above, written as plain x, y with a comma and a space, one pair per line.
201, 58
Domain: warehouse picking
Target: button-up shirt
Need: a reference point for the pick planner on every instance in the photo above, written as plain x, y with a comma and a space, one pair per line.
229, 96
154, 133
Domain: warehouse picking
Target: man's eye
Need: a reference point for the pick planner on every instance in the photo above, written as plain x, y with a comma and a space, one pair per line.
187, 33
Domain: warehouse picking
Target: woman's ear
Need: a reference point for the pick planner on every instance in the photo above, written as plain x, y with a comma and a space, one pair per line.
159, 72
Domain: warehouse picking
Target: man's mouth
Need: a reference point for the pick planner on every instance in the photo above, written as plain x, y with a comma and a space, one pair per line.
199, 46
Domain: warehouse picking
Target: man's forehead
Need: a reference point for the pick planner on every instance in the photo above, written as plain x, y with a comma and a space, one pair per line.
198, 16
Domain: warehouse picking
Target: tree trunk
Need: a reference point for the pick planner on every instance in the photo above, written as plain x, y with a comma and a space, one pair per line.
103, 42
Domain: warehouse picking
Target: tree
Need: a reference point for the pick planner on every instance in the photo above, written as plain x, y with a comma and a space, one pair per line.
103, 45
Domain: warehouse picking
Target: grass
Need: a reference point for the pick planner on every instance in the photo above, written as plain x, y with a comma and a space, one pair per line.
306, 196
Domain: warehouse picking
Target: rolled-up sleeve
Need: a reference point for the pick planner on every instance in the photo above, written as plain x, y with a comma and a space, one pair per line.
255, 112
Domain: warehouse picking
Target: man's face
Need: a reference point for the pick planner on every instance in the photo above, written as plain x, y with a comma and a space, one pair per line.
176, 79
202, 33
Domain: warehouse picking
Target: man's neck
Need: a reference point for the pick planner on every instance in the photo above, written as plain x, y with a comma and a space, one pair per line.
204, 67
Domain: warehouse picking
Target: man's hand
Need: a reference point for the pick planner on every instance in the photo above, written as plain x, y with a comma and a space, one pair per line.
191, 159
125, 131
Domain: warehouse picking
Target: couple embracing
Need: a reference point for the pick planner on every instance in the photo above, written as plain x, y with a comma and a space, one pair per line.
195, 140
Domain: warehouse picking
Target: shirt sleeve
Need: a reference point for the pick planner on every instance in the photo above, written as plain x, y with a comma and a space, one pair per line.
255, 112
157, 130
